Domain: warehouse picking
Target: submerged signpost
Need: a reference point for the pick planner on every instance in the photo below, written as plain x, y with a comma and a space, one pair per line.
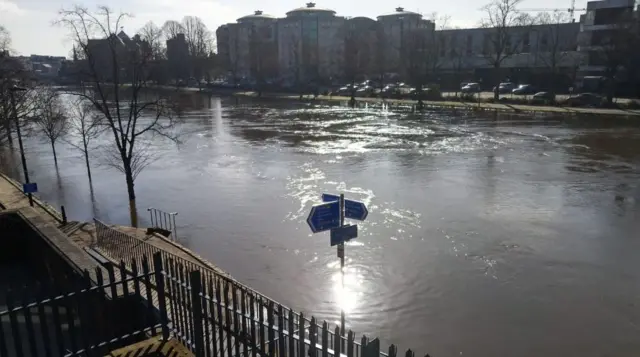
330, 216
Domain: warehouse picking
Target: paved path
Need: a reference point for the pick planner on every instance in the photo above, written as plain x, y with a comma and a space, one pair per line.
83, 234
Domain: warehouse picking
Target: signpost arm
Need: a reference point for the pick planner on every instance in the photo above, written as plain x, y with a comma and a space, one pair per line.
341, 247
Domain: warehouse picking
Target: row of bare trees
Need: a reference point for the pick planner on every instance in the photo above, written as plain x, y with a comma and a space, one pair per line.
118, 105
126, 108
40, 109
200, 61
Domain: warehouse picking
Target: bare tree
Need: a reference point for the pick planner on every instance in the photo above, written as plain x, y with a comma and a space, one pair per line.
129, 112
416, 48
199, 41
172, 28
153, 35
85, 125
356, 56
459, 55
5, 40
617, 49
13, 73
501, 42
50, 118
553, 48
263, 56
295, 64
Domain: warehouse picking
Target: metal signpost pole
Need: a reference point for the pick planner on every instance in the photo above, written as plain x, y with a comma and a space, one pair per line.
341, 250
330, 216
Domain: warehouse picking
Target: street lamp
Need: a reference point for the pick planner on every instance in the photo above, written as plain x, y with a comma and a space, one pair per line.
15, 117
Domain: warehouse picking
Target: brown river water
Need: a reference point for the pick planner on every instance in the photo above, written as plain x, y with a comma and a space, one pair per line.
488, 234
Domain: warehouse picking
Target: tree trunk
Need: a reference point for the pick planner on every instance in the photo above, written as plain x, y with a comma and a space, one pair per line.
133, 211
86, 161
85, 145
55, 157
7, 128
420, 94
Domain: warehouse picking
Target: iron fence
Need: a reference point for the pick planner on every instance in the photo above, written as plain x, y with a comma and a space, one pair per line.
215, 315
164, 220
74, 316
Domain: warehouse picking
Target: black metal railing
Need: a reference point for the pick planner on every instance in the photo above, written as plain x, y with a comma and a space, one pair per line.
215, 315
164, 220
78, 316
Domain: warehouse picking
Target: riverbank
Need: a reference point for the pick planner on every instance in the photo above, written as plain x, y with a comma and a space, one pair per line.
83, 234
454, 105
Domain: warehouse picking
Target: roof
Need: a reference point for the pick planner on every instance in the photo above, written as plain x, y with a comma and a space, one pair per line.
310, 9
400, 11
257, 15
361, 18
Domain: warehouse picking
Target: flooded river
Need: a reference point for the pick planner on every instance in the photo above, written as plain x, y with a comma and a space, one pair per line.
488, 235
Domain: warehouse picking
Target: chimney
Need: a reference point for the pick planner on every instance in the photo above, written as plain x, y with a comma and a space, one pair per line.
258, 12
311, 4
399, 9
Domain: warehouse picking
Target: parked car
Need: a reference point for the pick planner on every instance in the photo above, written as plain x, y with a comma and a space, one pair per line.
389, 91
346, 90
428, 93
505, 88
544, 98
365, 91
471, 88
585, 100
524, 89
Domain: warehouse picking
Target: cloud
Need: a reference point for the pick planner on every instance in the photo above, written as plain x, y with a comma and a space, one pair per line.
11, 8
212, 13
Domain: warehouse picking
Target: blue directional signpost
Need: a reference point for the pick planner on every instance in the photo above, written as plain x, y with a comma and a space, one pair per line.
330, 216
324, 216
30, 187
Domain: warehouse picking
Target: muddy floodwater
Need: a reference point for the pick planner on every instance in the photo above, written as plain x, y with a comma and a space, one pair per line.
488, 235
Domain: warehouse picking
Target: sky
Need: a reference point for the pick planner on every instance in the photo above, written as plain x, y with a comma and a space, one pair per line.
30, 22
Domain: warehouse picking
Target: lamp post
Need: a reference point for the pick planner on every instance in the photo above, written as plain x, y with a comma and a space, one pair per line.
15, 117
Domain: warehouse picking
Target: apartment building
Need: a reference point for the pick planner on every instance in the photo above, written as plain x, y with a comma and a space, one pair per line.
310, 45
397, 31
531, 54
596, 28
314, 44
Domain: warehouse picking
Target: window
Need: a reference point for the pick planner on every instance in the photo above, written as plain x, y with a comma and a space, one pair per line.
486, 44
469, 44
526, 46
544, 41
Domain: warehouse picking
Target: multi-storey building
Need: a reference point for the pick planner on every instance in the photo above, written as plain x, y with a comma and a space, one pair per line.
178, 57
310, 44
249, 47
530, 54
397, 32
597, 27
362, 55
313, 44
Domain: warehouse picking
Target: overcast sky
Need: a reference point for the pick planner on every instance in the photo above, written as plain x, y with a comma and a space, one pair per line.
30, 21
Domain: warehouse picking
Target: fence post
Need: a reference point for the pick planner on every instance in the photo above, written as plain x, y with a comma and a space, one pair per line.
372, 349
196, 305
162, 302
64, 215
325, 339
175, 228
392, 351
